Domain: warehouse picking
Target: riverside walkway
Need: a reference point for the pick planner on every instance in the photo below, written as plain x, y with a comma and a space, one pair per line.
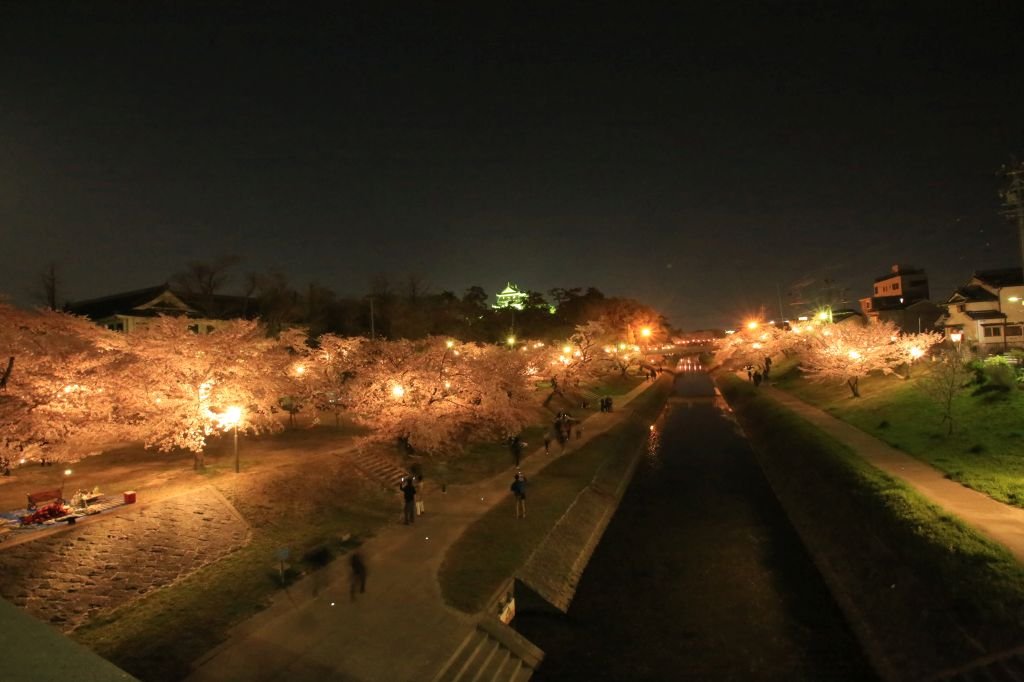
400, 629
996, 520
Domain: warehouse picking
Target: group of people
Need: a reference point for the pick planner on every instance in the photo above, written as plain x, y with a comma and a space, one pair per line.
606, 404
755, 374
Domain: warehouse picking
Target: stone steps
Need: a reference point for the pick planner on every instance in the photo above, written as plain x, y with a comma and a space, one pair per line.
380, 469
492, 652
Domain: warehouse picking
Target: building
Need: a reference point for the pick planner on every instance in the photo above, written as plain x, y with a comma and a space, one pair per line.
131, 310
511, 297
901, 297
988, 310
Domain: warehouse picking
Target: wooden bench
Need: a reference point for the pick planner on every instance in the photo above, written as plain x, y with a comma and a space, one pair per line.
34, 499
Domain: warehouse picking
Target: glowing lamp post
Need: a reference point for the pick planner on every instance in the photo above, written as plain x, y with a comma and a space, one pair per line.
397, 391
229, 420
449, 344
752, 324
645, 332
511, 341
914, 353
956, 337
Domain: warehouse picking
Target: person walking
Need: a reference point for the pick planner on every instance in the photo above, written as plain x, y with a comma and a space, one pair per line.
518, 488
357, 579
419, 496
516, 445
547, 443
408, 489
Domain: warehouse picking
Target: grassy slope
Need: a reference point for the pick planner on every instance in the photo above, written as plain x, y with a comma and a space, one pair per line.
928, 584
985, 452
497, 544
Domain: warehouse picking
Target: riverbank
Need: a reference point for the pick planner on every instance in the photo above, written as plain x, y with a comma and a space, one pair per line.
925, 593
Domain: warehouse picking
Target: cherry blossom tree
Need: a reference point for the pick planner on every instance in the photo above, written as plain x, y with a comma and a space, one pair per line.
913, 347
59, 397
755, 343
324, 372
181, 385
849, 351
435, 393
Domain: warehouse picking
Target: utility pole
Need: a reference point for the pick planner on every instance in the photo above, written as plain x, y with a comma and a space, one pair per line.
373, 334
1012, 195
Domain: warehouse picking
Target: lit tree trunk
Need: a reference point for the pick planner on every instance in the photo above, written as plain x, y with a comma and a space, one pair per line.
854, 384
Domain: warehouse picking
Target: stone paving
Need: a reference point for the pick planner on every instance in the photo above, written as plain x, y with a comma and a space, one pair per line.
68, 577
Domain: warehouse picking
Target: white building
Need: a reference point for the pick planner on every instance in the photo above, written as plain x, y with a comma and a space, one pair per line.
988, 310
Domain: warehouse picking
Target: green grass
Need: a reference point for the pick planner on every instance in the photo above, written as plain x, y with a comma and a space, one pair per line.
928, 582
497, 544
985, 451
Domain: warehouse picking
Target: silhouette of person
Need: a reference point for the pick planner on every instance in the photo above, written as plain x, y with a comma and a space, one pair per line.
357, 580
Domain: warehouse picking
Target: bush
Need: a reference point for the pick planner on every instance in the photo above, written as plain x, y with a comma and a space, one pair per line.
999, 372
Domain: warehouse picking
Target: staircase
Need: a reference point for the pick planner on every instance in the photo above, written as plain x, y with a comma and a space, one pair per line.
492, 652
379, 468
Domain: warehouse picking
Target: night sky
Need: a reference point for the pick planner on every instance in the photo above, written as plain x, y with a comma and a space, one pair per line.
699, 160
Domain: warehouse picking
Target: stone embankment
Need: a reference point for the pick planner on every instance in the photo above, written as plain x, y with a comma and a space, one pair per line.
66, 578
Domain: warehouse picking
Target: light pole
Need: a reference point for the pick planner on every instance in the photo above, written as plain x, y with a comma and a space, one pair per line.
956, 337
231, 417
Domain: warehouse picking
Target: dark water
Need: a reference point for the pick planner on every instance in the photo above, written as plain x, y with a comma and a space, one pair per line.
699, 575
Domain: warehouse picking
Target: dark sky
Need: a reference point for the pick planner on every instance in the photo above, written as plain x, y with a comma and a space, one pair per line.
696, 160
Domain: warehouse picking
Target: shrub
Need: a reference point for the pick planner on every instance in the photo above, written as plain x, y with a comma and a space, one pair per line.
999, 372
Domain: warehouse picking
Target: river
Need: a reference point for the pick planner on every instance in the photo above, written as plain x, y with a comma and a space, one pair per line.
699, 575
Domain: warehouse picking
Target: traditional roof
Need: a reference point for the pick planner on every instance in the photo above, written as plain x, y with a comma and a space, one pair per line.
972, 293
1001, 277
985, 315
162, 300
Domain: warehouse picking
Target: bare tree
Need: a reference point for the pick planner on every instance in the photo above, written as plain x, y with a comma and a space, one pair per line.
47, 286
945, 380
205, 278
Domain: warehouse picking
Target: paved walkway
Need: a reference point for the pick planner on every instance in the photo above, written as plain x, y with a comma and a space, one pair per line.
400, 629
1000, 522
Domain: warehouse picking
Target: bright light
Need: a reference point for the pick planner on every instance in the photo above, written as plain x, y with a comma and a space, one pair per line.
450, 343
796, 329
447, 385
646, 331
566, 349
956, 336
1013, 299
300, 369
916, 352
752, 324
854, 355
823, 315
67, 472
622, 346
802, 318
511, 340
397, 391
757, 346
230, 417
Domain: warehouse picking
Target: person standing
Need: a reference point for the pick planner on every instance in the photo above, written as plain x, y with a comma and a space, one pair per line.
357, 580
547, 443
409, 493
518, 488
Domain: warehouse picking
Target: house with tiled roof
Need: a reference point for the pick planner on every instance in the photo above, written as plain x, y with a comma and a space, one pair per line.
132, 310
988, 310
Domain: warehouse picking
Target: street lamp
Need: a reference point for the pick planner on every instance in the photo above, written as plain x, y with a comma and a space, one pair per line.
645, 332
511, 341
229, 420
956, 337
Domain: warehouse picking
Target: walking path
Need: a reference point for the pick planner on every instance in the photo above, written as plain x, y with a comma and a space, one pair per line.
1000, 522
400, 629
